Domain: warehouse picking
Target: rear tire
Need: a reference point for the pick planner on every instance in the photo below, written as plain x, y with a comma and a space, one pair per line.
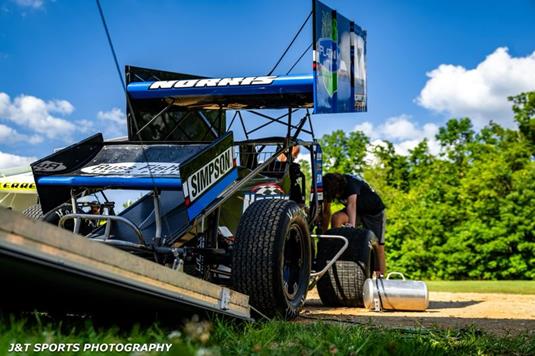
272, 257
33, 212
342, 285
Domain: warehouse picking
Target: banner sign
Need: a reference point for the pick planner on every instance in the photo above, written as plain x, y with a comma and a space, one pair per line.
339, 62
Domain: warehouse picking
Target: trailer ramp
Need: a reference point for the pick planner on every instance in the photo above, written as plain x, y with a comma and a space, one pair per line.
47, 268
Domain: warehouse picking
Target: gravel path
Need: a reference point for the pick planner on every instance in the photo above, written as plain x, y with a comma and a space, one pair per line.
500, 314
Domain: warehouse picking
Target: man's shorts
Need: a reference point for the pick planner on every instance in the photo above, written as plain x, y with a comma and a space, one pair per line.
374, 222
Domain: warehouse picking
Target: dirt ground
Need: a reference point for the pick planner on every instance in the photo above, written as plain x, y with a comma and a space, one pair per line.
500, 314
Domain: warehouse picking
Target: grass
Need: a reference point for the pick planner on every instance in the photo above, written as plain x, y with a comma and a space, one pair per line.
277, 337
271, 338
511, 287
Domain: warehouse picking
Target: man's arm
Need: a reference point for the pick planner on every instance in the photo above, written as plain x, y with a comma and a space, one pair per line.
351, 209
326, 215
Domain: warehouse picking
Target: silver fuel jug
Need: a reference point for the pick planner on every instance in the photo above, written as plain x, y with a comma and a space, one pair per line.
395, 294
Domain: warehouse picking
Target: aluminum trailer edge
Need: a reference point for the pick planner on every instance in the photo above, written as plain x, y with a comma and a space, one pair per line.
45, 267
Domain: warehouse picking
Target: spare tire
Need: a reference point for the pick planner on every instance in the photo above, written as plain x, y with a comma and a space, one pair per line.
272, 257
342, 285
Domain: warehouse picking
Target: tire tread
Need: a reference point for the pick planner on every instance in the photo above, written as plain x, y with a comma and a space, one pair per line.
342, 285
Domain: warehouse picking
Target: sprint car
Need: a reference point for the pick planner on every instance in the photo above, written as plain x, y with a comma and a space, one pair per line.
234, 212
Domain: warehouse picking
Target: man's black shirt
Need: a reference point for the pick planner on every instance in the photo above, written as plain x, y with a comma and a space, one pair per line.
368, 201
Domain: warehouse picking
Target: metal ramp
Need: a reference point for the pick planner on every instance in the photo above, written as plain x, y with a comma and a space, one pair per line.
45, 267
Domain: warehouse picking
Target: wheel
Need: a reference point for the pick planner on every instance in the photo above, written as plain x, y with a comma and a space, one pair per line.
53, 217
342, 285
33, 212
271, 257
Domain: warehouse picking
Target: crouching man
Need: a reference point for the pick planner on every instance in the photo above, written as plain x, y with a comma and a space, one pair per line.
361, 203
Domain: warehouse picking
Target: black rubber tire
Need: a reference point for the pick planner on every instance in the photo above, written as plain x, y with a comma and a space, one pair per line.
272, 257
33, 212
54, 215
342, 285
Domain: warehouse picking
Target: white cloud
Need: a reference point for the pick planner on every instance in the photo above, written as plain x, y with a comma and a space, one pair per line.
366, 127
34, 4
60, 107
115, 115
85, 126
115, 122
399, 128
403, 132
8, 160
370, 157
48, 118
10, 135
37, 115
479, 93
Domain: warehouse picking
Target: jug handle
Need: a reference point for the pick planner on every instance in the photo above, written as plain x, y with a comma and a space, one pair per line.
395, 273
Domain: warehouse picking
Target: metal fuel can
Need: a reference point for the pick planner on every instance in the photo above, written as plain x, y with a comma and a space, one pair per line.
395, 294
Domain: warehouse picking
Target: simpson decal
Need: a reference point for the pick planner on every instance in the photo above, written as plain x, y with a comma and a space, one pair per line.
205, 177
212, 82
134, 169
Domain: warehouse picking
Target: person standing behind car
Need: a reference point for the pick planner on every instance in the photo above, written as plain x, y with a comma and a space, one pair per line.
361, 203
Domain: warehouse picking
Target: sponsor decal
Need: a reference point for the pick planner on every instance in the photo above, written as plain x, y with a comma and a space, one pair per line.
320, 196
212, 82
134, 169
250, 198
328, 53
318, 172
263, 191
49, 166
208, 175
17, 186
267, 189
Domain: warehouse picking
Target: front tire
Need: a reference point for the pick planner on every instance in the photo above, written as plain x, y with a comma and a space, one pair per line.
272, 257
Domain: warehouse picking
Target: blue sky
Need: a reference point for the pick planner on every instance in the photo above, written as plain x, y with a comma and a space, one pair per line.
427, 61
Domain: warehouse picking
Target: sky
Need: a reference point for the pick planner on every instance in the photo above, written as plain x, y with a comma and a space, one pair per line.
428, 61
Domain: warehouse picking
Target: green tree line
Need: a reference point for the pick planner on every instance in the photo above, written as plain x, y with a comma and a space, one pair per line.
466, 213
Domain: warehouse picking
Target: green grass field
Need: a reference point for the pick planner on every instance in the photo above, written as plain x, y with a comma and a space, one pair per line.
273, 338
510, 287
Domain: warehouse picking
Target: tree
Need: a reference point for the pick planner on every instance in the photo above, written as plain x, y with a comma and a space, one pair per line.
467, 213
524, 109
344, 153
395, 165
456, 138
